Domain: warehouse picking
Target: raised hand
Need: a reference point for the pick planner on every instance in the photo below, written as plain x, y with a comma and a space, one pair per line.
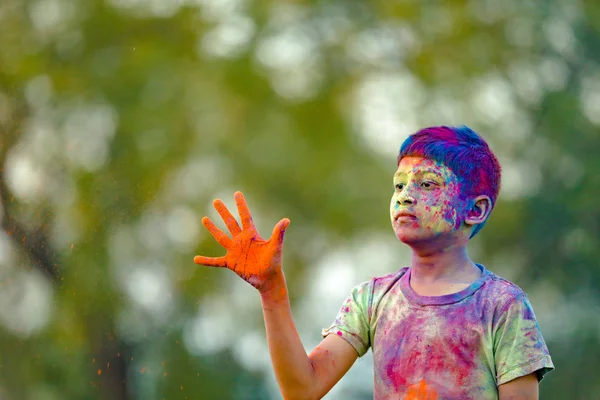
254, 259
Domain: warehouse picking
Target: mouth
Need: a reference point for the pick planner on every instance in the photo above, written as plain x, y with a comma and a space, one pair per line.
404, 216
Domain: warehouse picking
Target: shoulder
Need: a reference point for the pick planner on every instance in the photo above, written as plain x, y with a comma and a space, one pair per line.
383, 284
380, 283
387, 285
389, 279
370, 293
503, 288
504, 294
377, 287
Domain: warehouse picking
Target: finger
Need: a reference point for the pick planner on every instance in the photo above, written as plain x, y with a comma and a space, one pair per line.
279, 230
218, 234
229, 219
243, 210
211, 261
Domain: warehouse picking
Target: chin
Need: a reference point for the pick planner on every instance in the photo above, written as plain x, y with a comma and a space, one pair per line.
410, 236
413, 239
419, 237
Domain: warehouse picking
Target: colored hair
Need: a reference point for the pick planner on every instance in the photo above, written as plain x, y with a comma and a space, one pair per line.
465, 152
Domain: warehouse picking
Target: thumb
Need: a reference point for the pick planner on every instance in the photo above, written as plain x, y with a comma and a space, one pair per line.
279, 231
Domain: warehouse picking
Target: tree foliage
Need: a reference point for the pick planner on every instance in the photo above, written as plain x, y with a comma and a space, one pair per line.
120, 121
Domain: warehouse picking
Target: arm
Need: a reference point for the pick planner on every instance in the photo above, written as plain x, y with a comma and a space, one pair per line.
330, 361
523, 388
301, 376
258, 262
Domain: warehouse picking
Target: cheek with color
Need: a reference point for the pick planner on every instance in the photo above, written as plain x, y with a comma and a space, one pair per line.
442, 208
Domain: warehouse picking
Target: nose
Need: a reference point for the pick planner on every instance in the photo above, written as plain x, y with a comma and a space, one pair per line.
405, 198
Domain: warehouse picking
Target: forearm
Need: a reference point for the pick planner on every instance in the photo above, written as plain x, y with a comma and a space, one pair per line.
292, 366
523, 388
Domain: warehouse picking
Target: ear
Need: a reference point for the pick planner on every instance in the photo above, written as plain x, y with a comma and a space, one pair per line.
479, 211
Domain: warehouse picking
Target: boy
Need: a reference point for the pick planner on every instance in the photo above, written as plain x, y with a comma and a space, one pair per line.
443, 328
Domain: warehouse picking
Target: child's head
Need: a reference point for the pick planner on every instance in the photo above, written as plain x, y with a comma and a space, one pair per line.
474, 168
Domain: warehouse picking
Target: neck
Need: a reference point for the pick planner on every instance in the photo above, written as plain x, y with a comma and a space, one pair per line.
450, 264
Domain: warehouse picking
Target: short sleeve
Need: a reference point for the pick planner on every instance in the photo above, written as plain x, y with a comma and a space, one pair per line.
352, 321
519, 348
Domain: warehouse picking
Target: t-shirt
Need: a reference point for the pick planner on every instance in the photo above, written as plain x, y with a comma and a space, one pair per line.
451, 347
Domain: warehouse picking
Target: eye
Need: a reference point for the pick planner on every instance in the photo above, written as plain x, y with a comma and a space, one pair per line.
399, 186
427, 184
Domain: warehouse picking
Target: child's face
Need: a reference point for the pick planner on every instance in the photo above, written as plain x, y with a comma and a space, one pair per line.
430, 193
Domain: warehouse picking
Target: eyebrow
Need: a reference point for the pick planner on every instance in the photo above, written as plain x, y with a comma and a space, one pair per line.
419, 173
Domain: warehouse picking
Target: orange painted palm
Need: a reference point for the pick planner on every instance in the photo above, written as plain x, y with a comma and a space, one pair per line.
421, 392
254, 259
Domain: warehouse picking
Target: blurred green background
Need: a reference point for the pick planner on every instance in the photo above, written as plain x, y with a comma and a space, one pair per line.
121, 121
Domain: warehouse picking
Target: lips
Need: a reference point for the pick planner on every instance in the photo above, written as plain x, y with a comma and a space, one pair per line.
404, 215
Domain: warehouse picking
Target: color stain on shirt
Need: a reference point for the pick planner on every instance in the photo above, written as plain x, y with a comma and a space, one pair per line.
421, 392
459, 346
